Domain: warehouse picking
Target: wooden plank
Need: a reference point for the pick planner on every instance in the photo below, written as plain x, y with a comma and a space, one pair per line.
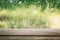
30, 32
29, 38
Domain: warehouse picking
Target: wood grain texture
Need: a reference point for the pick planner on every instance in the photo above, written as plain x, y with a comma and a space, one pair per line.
29, 38
29, 34
29, 31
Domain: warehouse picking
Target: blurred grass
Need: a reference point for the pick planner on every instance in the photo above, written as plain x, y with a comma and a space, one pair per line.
31, 17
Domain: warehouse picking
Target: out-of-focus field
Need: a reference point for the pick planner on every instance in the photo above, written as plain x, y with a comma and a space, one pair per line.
31, 17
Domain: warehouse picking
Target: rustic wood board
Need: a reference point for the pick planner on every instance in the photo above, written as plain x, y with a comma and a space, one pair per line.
29, 38
29, 34
29, 31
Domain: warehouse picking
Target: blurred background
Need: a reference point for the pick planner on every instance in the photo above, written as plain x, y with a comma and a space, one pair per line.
29, 14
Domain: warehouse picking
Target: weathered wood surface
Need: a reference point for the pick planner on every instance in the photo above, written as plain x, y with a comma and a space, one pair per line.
29, 34
29, 38
29, 31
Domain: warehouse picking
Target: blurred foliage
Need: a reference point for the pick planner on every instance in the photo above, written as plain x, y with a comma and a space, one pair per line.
20, 3
28, 13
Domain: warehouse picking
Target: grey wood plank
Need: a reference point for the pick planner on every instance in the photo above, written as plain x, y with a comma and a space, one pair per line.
30, 32
29, 38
